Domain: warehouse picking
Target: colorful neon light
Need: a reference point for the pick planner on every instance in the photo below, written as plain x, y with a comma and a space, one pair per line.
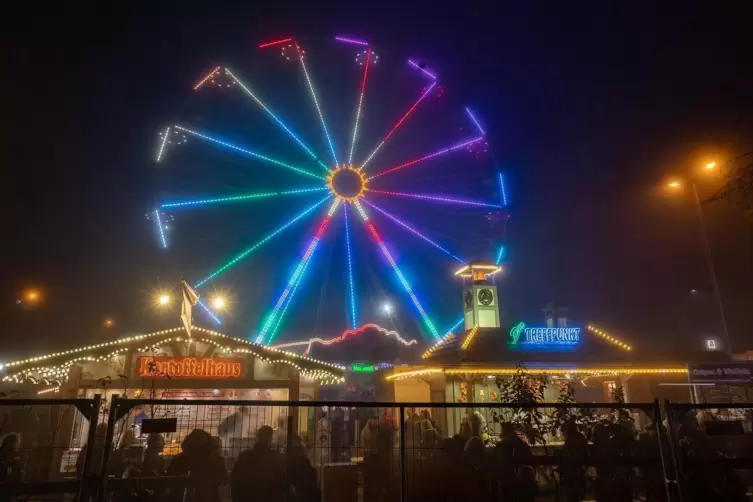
502, 191
399, 122
275, 42
161, 230
289, 300
261, 242
398, 272
424, 70
296, 274
237, 198
209, 75
438, 199
478, 126
430, 156
360, 102
162, 146
348, 334
500, 255
543, 336
351, 41
316, 103
414, 231
351, 289
277, 119
248, 152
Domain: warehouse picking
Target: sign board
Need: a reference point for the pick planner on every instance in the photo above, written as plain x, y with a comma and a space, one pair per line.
363, 368
542, 337
189, 367
721, 372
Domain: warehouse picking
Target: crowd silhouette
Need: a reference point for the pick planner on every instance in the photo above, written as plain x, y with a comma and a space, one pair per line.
606, 460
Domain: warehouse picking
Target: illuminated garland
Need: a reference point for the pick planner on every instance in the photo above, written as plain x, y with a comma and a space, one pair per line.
595, 372
469, 338
610, 339
61, 370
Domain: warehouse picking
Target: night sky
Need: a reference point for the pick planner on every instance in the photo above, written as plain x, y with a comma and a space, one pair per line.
588, 107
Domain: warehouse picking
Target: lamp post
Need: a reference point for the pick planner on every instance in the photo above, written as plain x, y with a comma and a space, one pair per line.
709, 256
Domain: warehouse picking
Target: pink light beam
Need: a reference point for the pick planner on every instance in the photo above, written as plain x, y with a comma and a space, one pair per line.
427, 157
275, 42
399, 123
418, 67
351, 41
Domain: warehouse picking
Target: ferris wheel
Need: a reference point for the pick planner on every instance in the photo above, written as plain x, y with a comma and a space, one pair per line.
344, 176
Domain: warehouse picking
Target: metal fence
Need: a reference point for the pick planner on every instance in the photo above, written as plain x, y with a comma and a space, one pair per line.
337, 451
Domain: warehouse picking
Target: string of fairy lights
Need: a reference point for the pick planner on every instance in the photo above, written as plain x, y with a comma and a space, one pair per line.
312, 368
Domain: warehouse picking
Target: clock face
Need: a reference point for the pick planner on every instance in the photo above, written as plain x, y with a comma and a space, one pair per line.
468, 297
485, 297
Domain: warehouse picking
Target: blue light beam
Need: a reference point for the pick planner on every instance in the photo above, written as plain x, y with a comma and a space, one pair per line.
277, 120
249, 152
351, 289
238, 198
260, 243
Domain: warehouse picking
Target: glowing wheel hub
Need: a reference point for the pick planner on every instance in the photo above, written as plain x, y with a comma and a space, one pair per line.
347, 183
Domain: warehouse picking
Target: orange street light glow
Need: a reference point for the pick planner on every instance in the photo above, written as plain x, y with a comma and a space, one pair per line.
711, 165
109, 323
163, 299
674, 184
32, 295
219, 303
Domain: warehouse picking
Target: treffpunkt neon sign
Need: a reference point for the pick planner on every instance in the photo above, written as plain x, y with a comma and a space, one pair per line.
542, 337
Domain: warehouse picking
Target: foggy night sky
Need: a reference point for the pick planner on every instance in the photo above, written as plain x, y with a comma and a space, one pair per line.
588, 108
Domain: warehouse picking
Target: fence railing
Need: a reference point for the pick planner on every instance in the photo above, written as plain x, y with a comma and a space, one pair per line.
139, 449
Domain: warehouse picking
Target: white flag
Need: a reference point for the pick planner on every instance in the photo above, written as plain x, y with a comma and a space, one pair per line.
190, 298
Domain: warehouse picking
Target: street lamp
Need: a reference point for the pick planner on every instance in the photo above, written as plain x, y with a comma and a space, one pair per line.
709, 258
163, 299
387, 308
109, 323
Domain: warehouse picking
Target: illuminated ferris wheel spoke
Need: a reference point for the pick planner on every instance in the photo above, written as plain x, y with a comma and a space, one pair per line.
209, 75
240, 198
396, 126
351, 291
297, 273
289, 300
209, 312
474, 120
316, 104
433, 198
360, 103
247, 152
430, 156
266, 239
162, 144
398, 272
414, 231
277, 120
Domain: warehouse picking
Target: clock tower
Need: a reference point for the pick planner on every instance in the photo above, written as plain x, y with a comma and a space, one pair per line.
480, 300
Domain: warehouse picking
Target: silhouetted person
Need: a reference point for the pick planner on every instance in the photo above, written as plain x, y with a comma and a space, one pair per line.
201, 461
259, 473
517, 477
337, 426
152, 464
572, 466
376, 441
301, 474
11, 464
